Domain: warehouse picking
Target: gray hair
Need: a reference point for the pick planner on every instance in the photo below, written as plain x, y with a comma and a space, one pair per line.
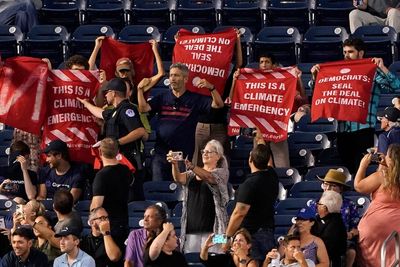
393, 124
222, 162
182, 67
332, 200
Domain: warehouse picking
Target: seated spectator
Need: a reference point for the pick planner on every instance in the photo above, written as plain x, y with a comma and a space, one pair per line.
28, 212
19, 183
62, 203
99, 243
154, 217
205, 197
238, 256
60, 173
330, 227
293, 255
161, 251
42, 244
370, 12
23, 253
389, 118
69, 245
312, 246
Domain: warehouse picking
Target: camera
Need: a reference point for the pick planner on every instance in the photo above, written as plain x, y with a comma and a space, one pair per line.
376, 157
8, 186
177, 155
219, 239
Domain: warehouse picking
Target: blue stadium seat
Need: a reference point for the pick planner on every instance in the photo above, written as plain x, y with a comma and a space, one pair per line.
294, 13
309, 189
177, 210
362, 203
168, 38
83, 207
243, 142
237, 174
135, 222
283, 222
137, 208
47, 41
312, 141
395, 68
379, 41
6, 136
314, 173
321, 125
138, 34
82, 39
151, 12
243, 12
291, 206
168, 192
48, 204
10, 41
281, 41
61, 12
301, 158
7, 207
288, 176
193, 259
198, 12
306, 77
246, 39
332, 12
328, 157
106, 12
323, 44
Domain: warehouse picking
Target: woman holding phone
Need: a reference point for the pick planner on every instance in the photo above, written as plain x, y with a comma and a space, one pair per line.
205, 196
238, 256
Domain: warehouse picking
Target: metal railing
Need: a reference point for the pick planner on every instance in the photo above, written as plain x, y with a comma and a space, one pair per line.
394, 235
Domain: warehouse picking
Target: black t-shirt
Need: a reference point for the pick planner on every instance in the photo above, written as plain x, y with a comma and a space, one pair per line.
113, 182
94, 246
218, 260
176, 259
36, 258
259, 190
14, 173
200, 208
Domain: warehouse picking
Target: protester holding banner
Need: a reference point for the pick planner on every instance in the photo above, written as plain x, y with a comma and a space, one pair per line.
60, 172
354, 136
178, 110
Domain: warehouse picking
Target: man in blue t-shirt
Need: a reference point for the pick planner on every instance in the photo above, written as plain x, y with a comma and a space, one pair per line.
178, 112
59, 173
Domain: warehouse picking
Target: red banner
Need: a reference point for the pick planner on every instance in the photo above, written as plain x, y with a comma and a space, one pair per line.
263, 99
67, 119
22, 93
343, 90
141, 56
208, 56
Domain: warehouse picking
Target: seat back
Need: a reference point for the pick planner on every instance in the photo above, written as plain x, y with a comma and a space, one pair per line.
137, 208
308, 189
151, 12
106, 12
291, 206
308, 140
10, 41
61, 12
139, 34
288, 176
294, 13
243, 12
332, 12
168, 192
319, 172
198, 12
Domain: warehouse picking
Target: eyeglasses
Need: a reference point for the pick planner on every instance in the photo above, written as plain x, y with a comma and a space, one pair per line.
326, 185
206, 152
101, 218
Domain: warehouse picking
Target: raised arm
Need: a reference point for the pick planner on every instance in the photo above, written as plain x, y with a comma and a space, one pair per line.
367, 185
216, 97
30, 189
201, 173
96, 111
112, 250
159, 241
92, 59
143, 106
179, 177
238, 54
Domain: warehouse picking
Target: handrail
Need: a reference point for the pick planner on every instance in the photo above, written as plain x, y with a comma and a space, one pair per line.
393, 235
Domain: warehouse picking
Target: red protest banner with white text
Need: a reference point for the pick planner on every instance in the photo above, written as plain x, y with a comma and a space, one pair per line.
23, 93
67, 119
263, 99
343, 90
141, 56
208, 56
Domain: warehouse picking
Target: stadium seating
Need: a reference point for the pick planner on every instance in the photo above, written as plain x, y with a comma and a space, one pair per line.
395, 67
306, 78
291, 206
332, 12
283, 222
288, 176
165, 191
106, 12
61, 12
193, 259
293, 13
312, 141
138, 34
137, 208
314, 173
301, 159
322, 125
83, 207
10, 41
198, 12
151, 12
307, 189
328, 157
281, 41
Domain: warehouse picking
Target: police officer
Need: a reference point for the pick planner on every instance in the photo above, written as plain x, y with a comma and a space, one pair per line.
121, 121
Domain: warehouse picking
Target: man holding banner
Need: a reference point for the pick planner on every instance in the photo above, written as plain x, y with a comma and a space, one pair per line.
349, 99
178, 110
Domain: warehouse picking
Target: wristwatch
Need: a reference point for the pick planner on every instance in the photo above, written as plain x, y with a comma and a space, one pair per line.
243, 261
107, 233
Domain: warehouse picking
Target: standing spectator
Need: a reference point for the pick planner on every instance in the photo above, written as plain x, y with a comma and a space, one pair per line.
69, 245
161, 251
178, 111
121, 122
369, 12
112, 194
254, 209
383, 214
23, 253
42, 244
330, 227
154, 217
19, 182
99, 243
205, 196
354, 138
294, 257
60, 172
391, 126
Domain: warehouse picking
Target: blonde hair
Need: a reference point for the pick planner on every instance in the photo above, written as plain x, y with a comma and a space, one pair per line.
391, 182
37, 207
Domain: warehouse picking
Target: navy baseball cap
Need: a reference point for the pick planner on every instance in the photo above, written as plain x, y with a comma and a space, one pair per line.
390, 113
68, 230
56, 146
116, 84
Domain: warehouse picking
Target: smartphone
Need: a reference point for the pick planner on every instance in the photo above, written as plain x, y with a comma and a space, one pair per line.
177, 155
219, 239
249, 132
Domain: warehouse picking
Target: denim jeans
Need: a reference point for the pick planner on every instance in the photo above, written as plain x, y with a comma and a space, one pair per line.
262, 241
